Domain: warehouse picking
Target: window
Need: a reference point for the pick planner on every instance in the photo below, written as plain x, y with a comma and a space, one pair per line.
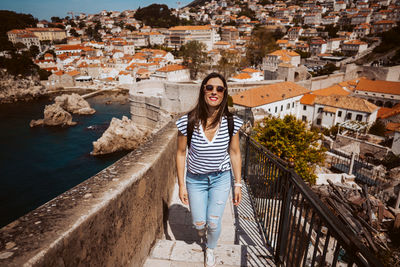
304, 107
348, 117
304, 118
276, 109
293, 105
281, 107
359, 117
320, 110
318, 121
269, 110
288, 106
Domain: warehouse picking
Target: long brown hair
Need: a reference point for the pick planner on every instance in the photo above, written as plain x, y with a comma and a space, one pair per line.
200, 112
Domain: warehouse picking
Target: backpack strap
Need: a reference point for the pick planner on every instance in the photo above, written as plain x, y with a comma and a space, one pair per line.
231, 125
189, 128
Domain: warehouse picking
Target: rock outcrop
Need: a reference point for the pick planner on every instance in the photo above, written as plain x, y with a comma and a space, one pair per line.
120, 135
74, 103
17, 88
54, 115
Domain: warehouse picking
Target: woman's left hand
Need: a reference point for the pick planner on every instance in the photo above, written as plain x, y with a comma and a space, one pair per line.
237, 195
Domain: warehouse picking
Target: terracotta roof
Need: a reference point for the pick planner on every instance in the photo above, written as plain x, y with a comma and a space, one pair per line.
346, 102
242, 76
283, 53
355, 42
332, 90
330, 109
266, 94
250, 70
221, 43
59, 73
392, 126
173, 67
143, 71
384, 112
307, 99
378, 86
190, 28
73, 73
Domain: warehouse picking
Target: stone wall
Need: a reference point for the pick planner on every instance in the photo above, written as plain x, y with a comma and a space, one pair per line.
373, 73
111, 219
366, 147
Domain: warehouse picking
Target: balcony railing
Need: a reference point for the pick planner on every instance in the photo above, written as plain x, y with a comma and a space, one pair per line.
299, 228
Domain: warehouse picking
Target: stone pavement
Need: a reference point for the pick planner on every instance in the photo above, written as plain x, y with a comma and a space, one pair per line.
240, 243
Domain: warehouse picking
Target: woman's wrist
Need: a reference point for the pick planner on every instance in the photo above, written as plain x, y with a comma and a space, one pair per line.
238, 184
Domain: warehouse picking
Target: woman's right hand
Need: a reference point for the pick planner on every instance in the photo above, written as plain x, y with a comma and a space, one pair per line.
183, 195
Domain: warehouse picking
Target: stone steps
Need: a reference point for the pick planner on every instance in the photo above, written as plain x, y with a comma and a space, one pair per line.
176, 253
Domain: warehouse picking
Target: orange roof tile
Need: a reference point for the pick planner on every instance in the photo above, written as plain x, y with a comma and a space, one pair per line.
307, 99
73, 73
250, 70
191, 28
384, 112
379, 86
392, 126
173, 67
346, 102
242, 76
266, 94
332, 90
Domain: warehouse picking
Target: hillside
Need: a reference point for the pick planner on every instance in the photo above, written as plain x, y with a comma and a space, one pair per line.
197, 3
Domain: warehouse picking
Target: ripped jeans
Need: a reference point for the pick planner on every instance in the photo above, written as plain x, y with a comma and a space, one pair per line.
207, 198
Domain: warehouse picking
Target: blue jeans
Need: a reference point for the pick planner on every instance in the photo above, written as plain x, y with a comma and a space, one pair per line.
207, 198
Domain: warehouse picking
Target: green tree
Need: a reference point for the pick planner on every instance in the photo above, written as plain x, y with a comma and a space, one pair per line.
34, 51
378, 128
228, 63
74, 33
156, 15
194, 56
43, 74
55, 19
289, 139
20, 46
260, 44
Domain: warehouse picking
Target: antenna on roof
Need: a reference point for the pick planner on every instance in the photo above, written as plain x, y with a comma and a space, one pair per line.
72, 14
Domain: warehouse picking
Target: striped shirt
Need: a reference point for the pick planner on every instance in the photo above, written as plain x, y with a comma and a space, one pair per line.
206, 156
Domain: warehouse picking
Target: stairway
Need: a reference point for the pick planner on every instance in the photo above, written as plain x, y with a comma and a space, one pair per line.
240, 243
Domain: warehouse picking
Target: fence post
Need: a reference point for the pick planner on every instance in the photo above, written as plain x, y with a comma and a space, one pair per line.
246, 158
284, 221
353, 155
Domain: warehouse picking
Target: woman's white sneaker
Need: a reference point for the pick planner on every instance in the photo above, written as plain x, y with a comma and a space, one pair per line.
210, 258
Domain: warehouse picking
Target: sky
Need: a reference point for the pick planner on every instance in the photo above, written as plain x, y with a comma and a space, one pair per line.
44, 9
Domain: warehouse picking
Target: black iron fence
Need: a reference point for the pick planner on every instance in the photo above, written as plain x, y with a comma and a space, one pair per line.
352, 164
298, 227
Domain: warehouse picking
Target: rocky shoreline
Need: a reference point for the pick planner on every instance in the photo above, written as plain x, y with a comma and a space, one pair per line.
19, 88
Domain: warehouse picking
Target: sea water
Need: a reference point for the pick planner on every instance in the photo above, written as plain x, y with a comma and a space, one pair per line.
37, 164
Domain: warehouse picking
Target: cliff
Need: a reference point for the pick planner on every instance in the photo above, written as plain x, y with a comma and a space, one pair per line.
17, 88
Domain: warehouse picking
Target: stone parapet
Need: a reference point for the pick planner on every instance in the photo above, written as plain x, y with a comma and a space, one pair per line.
111, 219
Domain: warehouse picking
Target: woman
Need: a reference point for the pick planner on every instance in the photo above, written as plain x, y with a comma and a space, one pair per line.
211, 153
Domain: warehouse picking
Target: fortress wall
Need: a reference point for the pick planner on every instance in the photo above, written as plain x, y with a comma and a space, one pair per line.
111, 219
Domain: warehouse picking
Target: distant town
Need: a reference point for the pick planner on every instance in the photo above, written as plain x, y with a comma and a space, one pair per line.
312, 59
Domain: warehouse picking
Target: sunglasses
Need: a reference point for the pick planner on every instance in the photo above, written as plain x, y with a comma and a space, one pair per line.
210, 88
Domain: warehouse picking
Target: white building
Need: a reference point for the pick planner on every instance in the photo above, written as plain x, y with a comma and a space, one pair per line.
174, 72
279, 99
381, 93
180, 35
327, 111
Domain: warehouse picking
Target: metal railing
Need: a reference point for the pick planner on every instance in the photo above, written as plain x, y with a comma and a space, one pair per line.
298, 227
352, 164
